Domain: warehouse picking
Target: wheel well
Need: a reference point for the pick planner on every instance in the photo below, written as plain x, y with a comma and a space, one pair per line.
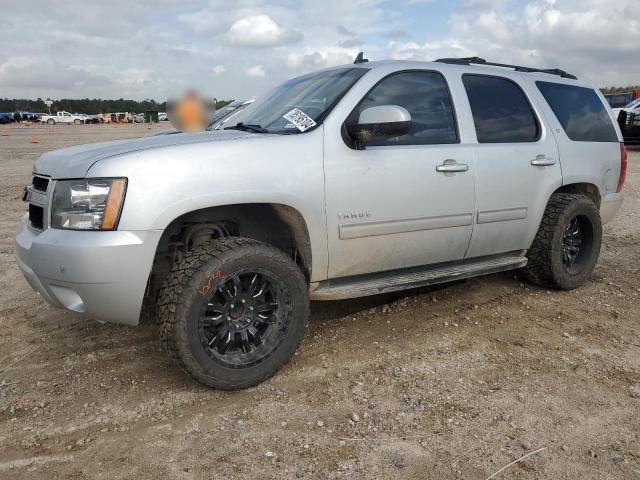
279, 225
588, 189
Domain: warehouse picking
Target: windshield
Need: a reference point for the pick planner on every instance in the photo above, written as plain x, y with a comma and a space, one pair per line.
299, 104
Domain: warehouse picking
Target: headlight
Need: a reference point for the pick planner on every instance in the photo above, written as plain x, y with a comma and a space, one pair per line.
88, 204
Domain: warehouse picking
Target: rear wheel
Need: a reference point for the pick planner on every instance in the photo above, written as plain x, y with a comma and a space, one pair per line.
567, 245
233, 312
77, 121
51, 121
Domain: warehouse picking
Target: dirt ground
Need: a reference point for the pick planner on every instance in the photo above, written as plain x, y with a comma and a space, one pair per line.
445, 383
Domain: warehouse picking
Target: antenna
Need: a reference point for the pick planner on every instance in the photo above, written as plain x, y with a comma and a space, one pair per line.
360, 58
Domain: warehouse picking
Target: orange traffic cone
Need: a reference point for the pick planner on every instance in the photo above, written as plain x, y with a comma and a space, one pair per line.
34, 139
5, 132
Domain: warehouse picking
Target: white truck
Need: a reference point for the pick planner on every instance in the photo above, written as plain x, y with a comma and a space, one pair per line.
62, 117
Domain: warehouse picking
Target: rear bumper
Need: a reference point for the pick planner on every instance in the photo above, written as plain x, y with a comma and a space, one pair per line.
609, 206
100, 274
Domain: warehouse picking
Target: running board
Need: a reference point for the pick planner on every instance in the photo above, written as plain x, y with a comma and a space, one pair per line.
377, 283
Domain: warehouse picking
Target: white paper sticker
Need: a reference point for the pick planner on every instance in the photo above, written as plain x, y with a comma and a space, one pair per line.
301, 120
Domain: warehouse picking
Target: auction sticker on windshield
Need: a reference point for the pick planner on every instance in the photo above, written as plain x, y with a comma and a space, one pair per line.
301, 120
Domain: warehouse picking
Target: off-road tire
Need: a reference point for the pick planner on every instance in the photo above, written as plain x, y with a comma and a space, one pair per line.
545, 266
181, 300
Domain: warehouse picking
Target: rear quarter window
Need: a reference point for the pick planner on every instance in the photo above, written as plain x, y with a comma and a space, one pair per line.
580, 111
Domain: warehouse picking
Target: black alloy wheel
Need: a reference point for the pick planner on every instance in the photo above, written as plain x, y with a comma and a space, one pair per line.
577, 240
240, 324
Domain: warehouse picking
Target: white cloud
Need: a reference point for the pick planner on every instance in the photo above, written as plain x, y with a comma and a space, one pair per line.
321, 58
594, 39
255, 71
161, 48
260, 31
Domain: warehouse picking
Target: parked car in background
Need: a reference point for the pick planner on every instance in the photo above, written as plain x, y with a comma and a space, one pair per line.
163, 117
632, 107
22, 116
219, 118
224, 115
82, 116
62, 117
629, 123
121, 117
139, 118
6, 118
620, 99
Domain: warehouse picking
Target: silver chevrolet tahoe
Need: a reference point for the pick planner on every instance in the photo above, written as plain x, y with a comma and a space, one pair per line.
352, 181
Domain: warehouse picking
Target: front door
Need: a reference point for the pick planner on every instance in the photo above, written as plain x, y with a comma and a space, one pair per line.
404, 201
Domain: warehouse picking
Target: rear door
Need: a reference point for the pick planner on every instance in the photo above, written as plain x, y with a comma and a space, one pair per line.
517, 164
388, 205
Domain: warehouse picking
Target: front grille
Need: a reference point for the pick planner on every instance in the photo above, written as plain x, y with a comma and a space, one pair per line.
36, 216
40, 183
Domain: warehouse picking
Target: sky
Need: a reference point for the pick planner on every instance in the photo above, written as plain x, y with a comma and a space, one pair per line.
241, 48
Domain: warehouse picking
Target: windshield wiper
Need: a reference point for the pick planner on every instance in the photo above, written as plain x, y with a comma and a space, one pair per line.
248, 128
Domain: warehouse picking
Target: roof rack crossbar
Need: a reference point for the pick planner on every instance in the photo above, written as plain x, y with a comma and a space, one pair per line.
517, 68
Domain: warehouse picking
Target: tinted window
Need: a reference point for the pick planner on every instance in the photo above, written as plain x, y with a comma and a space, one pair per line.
426, 96
580, 112
501, 112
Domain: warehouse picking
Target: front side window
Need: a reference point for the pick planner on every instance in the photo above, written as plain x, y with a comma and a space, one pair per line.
580, 112
425, 96
501, 112
299, 104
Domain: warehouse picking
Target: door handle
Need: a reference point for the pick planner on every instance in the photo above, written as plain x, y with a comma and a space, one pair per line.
542, 161
452, 167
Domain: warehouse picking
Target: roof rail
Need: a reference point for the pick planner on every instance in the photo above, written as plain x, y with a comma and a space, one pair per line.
517, 68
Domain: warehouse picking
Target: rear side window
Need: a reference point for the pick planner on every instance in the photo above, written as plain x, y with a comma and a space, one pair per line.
501, 112
426, 96
580, 112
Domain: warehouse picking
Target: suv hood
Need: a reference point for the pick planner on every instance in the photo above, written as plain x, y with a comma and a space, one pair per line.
75, 162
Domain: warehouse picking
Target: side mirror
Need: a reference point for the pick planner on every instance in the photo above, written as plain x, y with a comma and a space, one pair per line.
384, 121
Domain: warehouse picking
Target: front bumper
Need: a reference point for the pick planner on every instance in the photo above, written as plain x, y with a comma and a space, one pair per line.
609, 206
100, 274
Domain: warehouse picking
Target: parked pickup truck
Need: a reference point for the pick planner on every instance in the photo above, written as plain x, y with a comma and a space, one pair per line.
352, 181
62, 117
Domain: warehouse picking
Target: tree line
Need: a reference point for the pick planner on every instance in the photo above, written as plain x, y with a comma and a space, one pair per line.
91, 106
628, 88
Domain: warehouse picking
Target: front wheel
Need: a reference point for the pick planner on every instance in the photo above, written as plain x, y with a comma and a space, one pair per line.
567, 245
233, 312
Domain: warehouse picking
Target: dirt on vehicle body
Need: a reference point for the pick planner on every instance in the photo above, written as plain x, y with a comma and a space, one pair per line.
456, 381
